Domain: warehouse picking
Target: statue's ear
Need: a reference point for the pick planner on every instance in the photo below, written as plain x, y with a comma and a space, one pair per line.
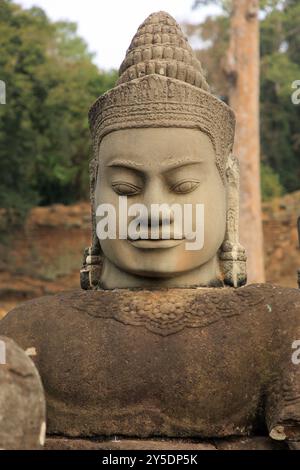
90, 272
232, 255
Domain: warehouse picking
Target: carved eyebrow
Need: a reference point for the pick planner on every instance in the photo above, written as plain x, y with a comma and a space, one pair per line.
172, 164
169, 165
125, 164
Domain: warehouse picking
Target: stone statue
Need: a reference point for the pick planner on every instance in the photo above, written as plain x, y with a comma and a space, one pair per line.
158, 127
22, 401
163, 341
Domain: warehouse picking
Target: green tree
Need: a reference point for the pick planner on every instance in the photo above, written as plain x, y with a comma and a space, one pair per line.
270, 184
280, 67
51, 82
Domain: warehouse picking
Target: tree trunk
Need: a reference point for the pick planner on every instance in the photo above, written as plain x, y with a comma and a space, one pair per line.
242, 68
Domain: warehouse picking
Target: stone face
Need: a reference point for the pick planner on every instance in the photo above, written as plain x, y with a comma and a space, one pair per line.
22, 402
173, 363
163, 163
166, 129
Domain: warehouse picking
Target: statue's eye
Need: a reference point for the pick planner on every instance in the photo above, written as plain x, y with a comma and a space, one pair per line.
125, 189
185, 187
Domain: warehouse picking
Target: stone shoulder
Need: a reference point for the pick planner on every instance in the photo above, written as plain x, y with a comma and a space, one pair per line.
283, 298
169, 311
161, 311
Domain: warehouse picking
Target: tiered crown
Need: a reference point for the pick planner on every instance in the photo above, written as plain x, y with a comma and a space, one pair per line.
160, 47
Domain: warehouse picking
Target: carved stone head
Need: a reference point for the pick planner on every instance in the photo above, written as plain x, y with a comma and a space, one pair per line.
161, 138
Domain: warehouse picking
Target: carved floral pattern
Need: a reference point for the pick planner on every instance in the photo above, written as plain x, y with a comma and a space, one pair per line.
166, 312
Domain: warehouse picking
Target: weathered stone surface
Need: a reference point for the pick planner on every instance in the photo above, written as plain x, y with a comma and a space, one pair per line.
53, 443
147, 363
294, 445
251, 443
248, 443
22, 402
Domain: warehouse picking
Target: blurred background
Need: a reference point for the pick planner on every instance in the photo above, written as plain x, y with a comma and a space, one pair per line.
57, 57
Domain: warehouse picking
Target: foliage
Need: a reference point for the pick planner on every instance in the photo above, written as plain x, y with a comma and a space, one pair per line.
215, 34
51, 82
270, 183
280, 67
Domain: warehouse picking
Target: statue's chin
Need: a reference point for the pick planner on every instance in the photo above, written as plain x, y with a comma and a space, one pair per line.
151, 273
151, 276
154, 274
157, 271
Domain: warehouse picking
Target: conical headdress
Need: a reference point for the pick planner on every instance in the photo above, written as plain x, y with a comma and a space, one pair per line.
161, 84
159, 47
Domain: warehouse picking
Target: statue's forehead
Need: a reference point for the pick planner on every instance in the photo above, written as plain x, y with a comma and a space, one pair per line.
163, 147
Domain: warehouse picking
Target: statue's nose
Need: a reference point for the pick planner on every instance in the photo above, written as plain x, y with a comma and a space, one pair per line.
163, 215
160, 212
156, 192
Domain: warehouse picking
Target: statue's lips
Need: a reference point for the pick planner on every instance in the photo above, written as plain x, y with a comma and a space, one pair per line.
155, 244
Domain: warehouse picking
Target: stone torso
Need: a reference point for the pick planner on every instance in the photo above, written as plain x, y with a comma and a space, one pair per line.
178, 362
